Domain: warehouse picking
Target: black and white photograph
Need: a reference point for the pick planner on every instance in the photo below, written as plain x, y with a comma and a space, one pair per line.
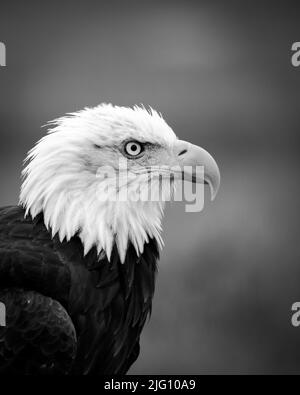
149, 190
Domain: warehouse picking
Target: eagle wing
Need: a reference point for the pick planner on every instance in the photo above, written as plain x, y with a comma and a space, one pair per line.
39, 336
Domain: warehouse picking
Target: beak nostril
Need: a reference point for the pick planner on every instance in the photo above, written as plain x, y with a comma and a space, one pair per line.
182, 152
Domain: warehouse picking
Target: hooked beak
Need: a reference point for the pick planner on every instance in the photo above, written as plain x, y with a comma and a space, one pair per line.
189, 157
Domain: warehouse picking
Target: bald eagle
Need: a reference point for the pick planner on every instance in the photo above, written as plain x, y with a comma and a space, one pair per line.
77, 268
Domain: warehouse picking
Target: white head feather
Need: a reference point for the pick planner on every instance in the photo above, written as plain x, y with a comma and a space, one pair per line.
62, 179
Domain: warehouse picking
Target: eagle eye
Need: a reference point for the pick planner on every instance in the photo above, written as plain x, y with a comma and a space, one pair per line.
133, 149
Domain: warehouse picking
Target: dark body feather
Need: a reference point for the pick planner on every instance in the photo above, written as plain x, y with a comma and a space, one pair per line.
66, 313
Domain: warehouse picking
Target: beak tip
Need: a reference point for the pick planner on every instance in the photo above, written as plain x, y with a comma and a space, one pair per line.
213, 180
213, 193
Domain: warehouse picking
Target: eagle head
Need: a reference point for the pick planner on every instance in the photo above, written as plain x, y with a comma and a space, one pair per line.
90, 176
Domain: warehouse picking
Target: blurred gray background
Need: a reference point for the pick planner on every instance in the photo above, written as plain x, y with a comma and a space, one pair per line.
221, 74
